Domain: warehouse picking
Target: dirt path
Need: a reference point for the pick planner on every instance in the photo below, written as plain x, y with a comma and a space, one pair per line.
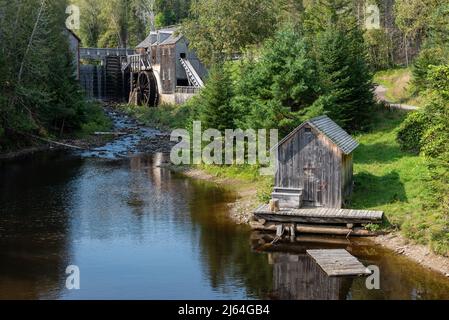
381, 93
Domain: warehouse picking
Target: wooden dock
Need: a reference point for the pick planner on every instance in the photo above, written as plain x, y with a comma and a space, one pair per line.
338, 263
319, 215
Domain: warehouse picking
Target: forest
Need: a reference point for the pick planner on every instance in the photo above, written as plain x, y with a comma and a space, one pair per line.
297, 59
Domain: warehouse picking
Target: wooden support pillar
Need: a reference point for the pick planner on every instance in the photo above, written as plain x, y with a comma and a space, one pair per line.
274, 205
293, 232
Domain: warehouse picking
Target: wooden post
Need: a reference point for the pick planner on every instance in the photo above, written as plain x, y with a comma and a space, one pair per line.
274, 205
279, 230
293, 232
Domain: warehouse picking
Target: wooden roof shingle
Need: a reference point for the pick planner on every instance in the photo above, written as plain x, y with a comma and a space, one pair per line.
334, 132
331, 130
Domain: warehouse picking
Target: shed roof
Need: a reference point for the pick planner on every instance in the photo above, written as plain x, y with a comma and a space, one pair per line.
173, 39
152, 38
331, 130
70, 31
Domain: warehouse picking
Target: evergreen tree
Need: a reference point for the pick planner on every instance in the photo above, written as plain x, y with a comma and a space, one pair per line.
340, 52
171, 12
38, 86
345, 77
214, 102
278, 89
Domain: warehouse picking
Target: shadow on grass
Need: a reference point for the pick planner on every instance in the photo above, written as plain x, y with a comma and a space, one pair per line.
373, 191
377, 153
385, 119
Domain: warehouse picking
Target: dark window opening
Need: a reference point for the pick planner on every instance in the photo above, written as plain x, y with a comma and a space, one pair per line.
182, 82
308, 130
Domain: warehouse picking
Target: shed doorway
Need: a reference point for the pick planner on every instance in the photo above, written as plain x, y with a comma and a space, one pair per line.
312, 187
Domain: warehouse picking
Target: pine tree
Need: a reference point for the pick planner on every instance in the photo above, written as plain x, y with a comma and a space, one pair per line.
278, 89
340, 52
38, 87
345, 77
215, 100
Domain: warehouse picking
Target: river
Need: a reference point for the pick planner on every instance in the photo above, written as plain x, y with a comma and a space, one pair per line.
139, 231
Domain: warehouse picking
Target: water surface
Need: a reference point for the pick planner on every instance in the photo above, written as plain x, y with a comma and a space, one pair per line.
138, 231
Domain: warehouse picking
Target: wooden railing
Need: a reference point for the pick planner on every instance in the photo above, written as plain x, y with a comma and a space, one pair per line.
187, 90
139, 62
101, 53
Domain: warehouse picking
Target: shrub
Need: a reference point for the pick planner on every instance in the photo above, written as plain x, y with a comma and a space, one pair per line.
428, 57
411, 131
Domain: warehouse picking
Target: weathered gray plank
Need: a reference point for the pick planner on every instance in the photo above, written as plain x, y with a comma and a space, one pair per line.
338, 262
322, 215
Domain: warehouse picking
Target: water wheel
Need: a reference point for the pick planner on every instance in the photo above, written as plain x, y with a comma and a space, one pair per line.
147, 89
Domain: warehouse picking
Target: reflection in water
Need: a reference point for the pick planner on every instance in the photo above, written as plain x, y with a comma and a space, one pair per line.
34, 220
138, 231
298, 277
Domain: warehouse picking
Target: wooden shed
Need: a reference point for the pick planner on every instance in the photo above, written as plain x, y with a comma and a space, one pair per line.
315, 166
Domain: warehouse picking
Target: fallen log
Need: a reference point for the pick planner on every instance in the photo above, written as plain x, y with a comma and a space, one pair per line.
57, 143
110, 133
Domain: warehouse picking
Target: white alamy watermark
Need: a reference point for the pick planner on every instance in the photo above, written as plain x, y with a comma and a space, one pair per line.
237, 146
73, 20
372, 282
73, 280
372, 17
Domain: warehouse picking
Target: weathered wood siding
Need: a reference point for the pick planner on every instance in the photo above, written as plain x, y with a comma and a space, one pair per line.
168, 68
311, 161
347, 175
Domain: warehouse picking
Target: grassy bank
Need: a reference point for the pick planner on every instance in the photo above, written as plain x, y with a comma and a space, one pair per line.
398, 84
96, 120
164, 117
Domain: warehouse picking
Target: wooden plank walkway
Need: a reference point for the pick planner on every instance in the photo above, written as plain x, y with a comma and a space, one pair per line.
319, 215
338, 263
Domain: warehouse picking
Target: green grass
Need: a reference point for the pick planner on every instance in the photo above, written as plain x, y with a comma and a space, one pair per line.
396, 182
398, 84
165, 117
96, 120
387, 178
247, 175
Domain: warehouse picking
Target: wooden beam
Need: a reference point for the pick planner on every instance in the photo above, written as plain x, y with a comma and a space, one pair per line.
316, 229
